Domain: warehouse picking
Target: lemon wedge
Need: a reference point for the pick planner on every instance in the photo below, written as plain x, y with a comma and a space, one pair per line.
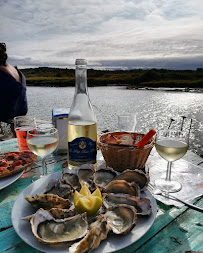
85, 190
97, 193
86, 202
89, 204
76, 196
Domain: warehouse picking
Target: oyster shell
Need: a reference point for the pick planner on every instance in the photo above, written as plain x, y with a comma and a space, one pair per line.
48, 201
122, 186
56, 187
49, 230
86, 175
59, 213
104, 176
137, 176
121, 218
142, 205
71, 177
98, 232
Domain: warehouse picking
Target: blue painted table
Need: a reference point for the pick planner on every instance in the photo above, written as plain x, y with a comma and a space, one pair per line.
174, 230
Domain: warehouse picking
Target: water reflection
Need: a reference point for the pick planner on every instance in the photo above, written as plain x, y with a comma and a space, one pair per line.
153, 108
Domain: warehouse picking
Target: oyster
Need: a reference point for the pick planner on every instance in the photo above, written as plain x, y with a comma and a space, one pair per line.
49, 230
122, 186
71, 177
104, 176
142, 205
86, 175
55, 186
48, 201
136, 176
98, 232
59, 213
121, 218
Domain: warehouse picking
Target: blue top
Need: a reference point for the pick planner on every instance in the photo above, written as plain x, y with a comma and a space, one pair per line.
13, 100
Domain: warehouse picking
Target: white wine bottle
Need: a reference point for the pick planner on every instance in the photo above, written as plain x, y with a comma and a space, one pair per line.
82, 123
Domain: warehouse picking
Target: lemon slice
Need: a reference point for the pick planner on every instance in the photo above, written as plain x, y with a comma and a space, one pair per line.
89, 204
84, 201
85, 190
97, 193
76, 196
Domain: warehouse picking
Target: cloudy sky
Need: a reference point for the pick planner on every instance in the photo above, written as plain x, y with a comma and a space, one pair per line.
108, 33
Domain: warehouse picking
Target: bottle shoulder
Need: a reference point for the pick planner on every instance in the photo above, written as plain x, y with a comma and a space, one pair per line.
81, 109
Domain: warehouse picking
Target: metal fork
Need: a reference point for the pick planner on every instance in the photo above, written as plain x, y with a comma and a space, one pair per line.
155, 191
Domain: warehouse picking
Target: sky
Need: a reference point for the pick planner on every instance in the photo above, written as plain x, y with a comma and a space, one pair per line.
111, 34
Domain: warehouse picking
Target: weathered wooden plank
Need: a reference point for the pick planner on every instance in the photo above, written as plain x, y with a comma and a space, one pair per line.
22, 248
9, 145
11, 242
5, 215
181, 235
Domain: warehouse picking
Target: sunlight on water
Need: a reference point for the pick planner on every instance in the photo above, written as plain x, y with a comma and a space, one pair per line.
153, 108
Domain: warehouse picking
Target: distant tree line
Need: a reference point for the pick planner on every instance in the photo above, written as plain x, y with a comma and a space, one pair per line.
136, 78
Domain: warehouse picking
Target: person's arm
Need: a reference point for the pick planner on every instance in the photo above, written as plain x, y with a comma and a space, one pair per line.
10, 91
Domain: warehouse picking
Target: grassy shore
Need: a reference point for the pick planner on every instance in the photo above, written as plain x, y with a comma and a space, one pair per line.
135, 79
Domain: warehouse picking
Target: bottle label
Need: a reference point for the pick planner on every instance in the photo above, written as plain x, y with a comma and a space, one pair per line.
82, 149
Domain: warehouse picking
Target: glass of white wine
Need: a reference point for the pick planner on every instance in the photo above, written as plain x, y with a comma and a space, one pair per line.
42, 142
171, 145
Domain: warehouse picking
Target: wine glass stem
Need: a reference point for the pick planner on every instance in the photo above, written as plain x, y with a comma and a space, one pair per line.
44, 166
168, 172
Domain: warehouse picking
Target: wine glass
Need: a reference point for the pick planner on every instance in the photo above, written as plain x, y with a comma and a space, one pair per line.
21, 125
44, 126
42, 142
171, 145
127, 122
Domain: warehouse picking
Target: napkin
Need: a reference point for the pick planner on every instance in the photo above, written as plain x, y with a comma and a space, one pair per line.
188, 174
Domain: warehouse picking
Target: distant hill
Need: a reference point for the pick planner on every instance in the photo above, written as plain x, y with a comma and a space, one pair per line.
136, 78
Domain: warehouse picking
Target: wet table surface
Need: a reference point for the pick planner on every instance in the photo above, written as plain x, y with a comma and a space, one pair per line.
174, 229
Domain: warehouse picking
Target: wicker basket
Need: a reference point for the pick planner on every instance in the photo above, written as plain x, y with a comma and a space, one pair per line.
121, 157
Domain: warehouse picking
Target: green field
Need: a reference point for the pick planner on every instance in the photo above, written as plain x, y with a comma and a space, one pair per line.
137, 78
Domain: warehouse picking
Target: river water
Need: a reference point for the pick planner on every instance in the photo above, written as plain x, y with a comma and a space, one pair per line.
154, 108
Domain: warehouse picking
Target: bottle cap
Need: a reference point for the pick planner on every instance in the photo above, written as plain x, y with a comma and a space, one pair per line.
80, 62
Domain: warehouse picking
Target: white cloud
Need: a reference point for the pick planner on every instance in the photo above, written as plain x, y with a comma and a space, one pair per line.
57, 32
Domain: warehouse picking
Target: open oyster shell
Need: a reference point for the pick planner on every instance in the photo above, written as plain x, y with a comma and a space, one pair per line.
71, 177
104, 176
79, 176
47, 229
137, 176
48, 201
121, 218
86, 175
56, 187
122, 186
142, 205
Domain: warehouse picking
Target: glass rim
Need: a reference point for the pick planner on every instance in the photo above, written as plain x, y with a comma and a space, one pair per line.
24, 117
160, 133
41, 133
